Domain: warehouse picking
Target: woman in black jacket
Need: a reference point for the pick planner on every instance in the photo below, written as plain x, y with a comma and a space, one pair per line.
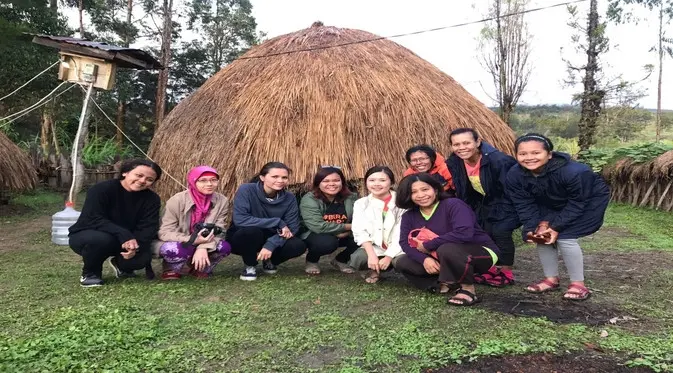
558, 201
120, 218
479, 172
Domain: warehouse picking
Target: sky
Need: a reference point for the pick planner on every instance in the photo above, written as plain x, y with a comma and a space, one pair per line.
455, 51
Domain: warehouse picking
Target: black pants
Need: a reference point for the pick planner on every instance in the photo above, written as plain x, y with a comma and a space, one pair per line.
96, 247
504, 241
457, 264
320, 244
248, 241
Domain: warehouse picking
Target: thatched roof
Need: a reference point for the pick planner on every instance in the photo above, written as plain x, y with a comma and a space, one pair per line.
626, 170
354, 106
16, 170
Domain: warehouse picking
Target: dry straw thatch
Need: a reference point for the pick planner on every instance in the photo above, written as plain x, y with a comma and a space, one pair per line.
643, 184
354, 106
16, 170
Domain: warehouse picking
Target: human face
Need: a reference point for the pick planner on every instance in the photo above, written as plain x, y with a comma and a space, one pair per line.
378, 184
207, 184
423, 194
465, 146
331, 185
532, 156
139, 178
275, 180
420, 161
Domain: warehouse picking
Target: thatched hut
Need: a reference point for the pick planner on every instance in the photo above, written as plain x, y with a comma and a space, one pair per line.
642, 184
16, 170
318, 96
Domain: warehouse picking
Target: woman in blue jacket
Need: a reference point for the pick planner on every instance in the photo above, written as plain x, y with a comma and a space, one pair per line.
265, 222
558, 201
479, 171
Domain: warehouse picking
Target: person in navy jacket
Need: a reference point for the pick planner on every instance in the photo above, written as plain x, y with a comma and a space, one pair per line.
558, 201
479, 171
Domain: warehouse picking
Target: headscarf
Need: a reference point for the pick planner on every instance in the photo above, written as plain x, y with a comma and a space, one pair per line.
201, 201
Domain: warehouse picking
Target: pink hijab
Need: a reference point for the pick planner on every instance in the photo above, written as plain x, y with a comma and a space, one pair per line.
201, 201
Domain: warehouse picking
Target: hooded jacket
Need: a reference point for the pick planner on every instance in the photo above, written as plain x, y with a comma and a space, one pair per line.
253, 209
567, 194
495, 209
439, 171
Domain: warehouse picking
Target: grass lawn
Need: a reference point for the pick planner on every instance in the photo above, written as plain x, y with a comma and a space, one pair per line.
292, 322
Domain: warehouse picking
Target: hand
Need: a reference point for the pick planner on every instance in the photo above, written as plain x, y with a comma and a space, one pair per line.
384, 262
343, 234
200, 259
264, 254
286, 233
131, 244
128, 254
431, 266
541, 227
373, 263
420, 247
550, 234
528, 235
200, 239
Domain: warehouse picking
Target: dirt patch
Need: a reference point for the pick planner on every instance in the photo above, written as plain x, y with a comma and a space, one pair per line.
11, 210
551, 307
543, 363
15, 235
324, 356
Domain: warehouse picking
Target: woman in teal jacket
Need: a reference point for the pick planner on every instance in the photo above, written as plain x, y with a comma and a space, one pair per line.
327, 212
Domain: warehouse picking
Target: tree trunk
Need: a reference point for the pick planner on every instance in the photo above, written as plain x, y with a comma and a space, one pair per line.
661, 69
121, 100
45, 135
592, 96
81, 18
504, 114
165, 60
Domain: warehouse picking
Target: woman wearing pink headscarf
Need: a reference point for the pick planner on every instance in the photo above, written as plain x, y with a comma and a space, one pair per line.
184, 244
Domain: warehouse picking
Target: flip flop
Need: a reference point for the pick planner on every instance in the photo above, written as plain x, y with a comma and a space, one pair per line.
342, 267
312, 268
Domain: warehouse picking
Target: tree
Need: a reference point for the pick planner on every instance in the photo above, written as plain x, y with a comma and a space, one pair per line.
595, 44
505, 49
664, 44
228, 29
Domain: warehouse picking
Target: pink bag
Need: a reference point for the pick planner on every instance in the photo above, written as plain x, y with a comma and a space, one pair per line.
423, 235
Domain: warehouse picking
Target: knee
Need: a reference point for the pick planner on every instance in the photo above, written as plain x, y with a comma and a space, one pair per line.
295, 245
326, 243
450, 251
249, 231
93, 238
172, 250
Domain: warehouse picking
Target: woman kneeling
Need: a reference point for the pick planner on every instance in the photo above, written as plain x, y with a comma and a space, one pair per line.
193, 219
326, 212
376, 225
449, 248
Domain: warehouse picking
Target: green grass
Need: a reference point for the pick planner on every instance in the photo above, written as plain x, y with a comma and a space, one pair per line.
295, 323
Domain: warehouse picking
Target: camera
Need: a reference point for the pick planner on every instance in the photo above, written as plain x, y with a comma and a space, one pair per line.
198, 227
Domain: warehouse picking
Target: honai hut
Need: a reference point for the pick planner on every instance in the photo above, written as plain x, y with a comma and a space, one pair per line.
16, 170
319, 96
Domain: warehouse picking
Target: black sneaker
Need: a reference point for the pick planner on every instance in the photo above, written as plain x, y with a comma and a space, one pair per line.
90, 280
249, 274
269, 268
118, 272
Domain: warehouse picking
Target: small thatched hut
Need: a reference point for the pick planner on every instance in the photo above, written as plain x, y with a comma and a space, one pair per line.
16, 170
642, 184
318, 96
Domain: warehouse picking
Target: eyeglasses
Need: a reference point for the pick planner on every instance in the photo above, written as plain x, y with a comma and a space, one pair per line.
208, 181
328, 166
418, 160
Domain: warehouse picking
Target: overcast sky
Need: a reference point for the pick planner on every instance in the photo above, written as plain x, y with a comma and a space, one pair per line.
454, 51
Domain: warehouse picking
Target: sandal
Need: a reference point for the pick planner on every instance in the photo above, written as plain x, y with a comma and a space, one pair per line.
443, 288
537, 288
577, 293
342, 267
312, 268
169, 275
372, 277
462, 302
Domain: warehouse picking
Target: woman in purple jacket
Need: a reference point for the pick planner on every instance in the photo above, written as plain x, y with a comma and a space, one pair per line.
461, 248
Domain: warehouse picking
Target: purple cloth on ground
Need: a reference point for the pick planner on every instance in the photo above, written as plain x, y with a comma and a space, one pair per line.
176, 254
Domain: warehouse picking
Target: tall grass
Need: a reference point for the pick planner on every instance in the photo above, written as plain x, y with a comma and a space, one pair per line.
103, 151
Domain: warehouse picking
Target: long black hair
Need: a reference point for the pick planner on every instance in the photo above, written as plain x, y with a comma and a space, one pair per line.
131, 164
403, 199
544, 140
267, 167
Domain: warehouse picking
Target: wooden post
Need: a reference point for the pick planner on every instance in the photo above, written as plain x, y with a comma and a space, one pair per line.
663, 195
647, 194
76, 158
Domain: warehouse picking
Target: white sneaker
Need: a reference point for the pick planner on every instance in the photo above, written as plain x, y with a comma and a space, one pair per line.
249, 274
